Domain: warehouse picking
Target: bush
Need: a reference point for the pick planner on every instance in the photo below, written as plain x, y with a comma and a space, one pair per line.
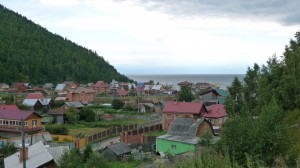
87, 114
57, 129
117, 104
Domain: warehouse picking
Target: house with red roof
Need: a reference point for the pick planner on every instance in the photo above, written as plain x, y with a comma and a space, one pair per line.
173, 109
216, 114
10, 122
8, 107
121, 93
101, 87
35, 96
19, 87
81, 94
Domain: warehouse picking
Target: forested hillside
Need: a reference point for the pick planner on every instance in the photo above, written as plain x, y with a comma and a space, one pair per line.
30, 53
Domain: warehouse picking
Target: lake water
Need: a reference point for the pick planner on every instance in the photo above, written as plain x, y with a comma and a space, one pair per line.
223, 79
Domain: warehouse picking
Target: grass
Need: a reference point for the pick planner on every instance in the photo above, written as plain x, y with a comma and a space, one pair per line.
156, 133
85, 131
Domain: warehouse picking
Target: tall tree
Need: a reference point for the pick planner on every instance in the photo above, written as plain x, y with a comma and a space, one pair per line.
234, 101
186, 94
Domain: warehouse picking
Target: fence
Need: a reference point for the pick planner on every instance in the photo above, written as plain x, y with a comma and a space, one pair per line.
137, 136
109, 132
79, 143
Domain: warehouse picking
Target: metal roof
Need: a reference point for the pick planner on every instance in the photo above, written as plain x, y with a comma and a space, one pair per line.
60, 87
45, 101
37, 156
183, 107
30, 102
57, 152
119, 148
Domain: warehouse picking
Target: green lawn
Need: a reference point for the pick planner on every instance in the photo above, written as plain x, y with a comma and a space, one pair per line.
85, 131
156, 133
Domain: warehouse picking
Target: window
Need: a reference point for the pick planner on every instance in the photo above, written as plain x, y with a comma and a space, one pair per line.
10, 122
5, 122
168, 116
1, 121
174, 147
26, 123
20, 123
220, 121
34, 123
13, 122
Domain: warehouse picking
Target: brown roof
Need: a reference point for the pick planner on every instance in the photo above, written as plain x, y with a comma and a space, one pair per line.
183, 107
82, 89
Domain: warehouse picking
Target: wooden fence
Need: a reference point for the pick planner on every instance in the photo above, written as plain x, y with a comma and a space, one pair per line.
79, 142
109, 132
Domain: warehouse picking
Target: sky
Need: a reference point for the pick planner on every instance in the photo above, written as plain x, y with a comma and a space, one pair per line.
171, 36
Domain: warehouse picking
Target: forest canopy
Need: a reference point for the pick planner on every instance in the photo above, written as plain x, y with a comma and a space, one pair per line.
30, 53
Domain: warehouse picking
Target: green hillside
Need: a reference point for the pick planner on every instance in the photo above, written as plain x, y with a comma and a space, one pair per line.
30, 53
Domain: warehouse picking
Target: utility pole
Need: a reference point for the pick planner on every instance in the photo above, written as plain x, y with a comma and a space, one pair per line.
23, 144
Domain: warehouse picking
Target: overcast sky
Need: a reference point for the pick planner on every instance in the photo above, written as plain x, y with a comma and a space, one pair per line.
168, 36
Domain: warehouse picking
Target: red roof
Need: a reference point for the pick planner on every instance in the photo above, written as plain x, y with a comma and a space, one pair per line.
59, 111
101, 84
8, 107
183, 107
35, 96
140, 88
215, 111
38, 89
121, 92
15, 114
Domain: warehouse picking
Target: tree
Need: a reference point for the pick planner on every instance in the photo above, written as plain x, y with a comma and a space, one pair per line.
87, 152
234, 101
96, 160
71, 159
186, 94
117, 104
6, 149
87, 114
250, 90
72, 114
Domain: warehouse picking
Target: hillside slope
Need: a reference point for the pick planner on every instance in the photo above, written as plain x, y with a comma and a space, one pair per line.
30, 53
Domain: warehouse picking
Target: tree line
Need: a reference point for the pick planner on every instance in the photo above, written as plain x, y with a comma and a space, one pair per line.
30, 53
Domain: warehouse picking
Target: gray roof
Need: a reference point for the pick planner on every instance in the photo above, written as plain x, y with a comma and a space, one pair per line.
30, 102
119, 148
184, 127
60, 87
57, 152
37, 156
75, 104
45, 101
183, 130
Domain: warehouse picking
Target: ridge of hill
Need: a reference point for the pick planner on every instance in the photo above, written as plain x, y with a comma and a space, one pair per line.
30, 53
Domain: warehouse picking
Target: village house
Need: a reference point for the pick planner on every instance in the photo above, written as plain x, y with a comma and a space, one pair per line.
183, 136
121, 93
116, 151
59, 114
186, 83
70, 84
18, 87
61, 89
203, 85
81, 94
101, 87
10, 122
216, 114
8, 107
208, 94
33, 104
173, 109
37, 155
4, 87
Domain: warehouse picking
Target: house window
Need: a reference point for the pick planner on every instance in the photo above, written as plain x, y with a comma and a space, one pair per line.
168, 116
34, 123
173, 147
5, 122
10, 122
14, 122
26, 123
210, 120
220, 121
1, 121
20, 123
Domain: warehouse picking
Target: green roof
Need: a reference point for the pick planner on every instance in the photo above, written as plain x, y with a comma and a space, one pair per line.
222, 92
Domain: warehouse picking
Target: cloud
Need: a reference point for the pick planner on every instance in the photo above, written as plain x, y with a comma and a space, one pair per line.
284, 12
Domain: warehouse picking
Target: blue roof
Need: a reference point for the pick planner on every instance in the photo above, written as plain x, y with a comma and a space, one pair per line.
60, 86
222, 92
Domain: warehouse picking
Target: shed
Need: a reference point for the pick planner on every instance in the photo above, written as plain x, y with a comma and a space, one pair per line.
116, 151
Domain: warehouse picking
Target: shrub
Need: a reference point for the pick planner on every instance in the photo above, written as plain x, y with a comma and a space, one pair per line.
117, 104
87, 114
57, 129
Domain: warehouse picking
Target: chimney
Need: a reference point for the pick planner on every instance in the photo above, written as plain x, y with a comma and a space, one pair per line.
21, 152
